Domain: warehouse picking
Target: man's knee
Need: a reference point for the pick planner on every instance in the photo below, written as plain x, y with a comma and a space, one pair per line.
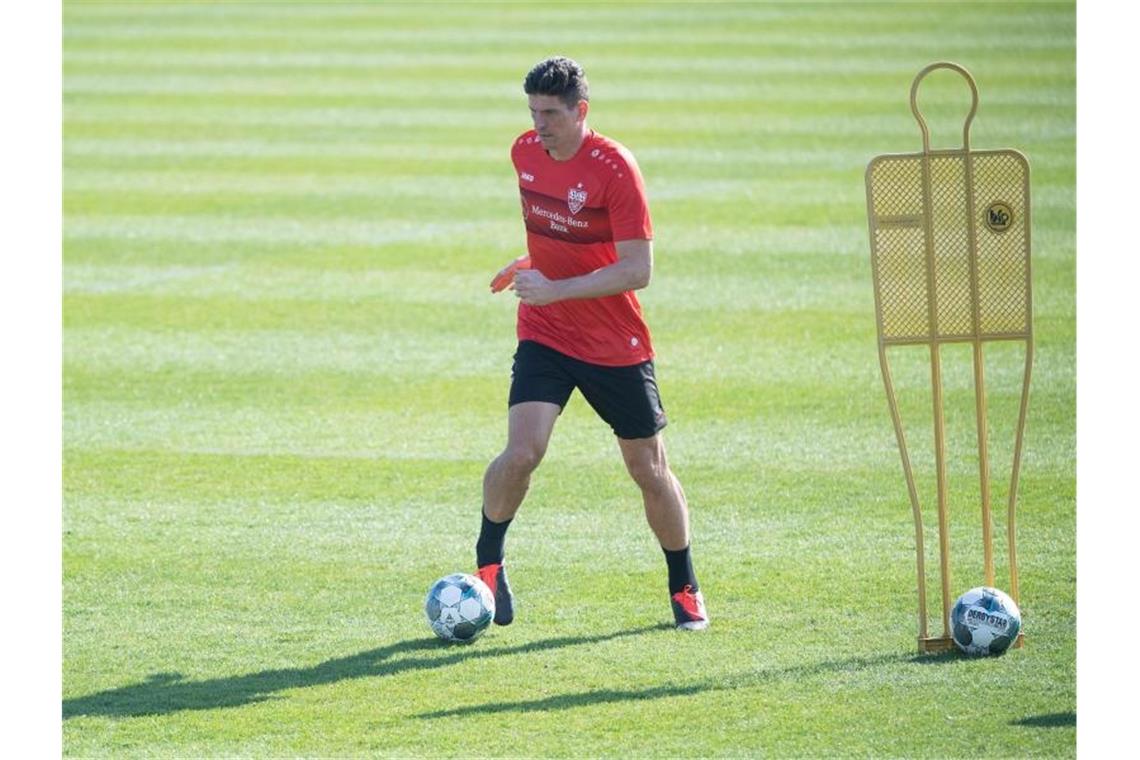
649, 471
521, 459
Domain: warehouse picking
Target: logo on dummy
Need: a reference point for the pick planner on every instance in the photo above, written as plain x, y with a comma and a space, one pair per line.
999, 216
576, 199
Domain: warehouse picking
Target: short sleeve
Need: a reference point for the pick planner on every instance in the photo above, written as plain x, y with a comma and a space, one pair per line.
627, 203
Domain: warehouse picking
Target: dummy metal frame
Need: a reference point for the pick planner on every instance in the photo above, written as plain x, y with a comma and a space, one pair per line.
917, 308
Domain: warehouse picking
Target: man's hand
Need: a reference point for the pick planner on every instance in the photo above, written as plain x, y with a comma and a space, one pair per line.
532, 288
506, 276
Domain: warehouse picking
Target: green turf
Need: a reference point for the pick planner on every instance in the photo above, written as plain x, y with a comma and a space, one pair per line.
284, 376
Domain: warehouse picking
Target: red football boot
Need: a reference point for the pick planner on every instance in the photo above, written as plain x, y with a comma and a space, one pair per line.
689, 610
495, 576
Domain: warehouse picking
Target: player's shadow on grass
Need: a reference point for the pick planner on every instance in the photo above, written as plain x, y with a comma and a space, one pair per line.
604, 696
165, 693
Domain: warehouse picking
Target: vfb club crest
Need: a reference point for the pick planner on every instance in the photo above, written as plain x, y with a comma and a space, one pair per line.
576, 199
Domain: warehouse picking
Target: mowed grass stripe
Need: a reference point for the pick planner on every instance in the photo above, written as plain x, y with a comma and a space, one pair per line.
104, 193
297, 487
123, 87
833, 151
284, 228
815, 439
798, 77
137, 188
210, 229
680, 251
779, 119
262, 146
476, 17
766, 348
355, 50
748, 30
673, 25
693, 394
460, 159
781, 291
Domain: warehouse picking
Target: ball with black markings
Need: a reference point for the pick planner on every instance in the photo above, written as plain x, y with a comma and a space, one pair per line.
459, 607
985, 621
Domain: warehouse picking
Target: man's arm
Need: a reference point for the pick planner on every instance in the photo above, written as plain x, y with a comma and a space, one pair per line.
631, 271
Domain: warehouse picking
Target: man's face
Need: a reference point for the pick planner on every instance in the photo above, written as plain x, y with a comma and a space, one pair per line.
557, 124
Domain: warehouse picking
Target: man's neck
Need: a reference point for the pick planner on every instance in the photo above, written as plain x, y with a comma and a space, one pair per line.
572, 149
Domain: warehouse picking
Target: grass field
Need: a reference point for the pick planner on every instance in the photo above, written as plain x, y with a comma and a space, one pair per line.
284, 377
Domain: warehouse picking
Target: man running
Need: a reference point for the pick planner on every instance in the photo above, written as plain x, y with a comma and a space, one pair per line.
589, 242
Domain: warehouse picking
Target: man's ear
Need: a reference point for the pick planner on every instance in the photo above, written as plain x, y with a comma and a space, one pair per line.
583, 109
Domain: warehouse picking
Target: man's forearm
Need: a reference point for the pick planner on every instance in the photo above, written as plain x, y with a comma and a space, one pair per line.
623, 275
631, 271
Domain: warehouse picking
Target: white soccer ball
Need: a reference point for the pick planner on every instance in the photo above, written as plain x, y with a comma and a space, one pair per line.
985, 621
459, 607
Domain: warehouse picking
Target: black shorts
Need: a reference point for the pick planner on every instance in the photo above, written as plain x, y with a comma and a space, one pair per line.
625, 397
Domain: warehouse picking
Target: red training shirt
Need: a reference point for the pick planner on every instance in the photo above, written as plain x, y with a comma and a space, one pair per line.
575, 211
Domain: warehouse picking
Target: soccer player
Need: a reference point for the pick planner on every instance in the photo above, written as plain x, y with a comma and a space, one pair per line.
589, 242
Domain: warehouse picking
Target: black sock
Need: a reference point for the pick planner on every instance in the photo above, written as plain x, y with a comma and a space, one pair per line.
680, 570
489, 548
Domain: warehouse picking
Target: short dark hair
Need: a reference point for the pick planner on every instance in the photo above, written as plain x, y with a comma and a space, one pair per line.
559, 76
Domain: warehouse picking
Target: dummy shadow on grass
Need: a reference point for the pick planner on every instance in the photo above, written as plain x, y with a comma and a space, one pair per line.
1051, 720
604, 696
165, 693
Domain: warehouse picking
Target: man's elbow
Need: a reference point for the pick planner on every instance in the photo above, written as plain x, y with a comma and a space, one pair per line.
636, 265
641, 277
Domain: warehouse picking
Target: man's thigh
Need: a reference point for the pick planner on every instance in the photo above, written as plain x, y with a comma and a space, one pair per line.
540, 374
627, 398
